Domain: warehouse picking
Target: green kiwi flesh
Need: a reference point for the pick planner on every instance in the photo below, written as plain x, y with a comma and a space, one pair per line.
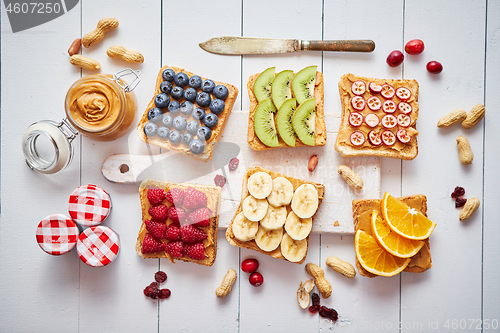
304, 122
284, 121
264, 125
262, 85
281, 88
303, 84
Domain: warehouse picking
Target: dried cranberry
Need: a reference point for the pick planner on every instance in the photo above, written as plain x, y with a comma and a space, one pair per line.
154, 285
233, 164
220, 180
160, 276
460, 202
314, 308
458, 192
315, 299
148, 291
164, 293
328, 313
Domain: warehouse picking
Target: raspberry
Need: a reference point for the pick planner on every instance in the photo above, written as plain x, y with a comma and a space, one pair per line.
220, 180
164, 293
176, 214
194, 251
151, 245
200, 217
158, 213
460, 202
173, 233
156, 195
233, 164
160, 276
191, 234
175, 196
194, 198
458, 192
157, 229
174, 249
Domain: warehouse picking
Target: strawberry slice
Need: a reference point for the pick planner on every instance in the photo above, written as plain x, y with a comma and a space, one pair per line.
388, 138
374, 138
389, 121
388, 91
404, 120
358, 103
403, 135
374, 88
403, 93
355, 119
389, 106
357, 138
404, 107
372, 120
374, 103
358, 88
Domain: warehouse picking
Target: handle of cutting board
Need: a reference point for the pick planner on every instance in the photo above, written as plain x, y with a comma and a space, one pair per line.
124, 168
339, 45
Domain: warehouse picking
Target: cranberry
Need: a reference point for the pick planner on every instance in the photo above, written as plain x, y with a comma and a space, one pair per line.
314, 308
220, 180
160, 276
434, 67
458, 192
315, 299
233, 164
249, 265
460, 202
395, 58
164, 293
328, 313
148, 291
256, 279
415, 46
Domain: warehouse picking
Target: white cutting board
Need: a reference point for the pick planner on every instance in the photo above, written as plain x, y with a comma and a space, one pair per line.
337, 202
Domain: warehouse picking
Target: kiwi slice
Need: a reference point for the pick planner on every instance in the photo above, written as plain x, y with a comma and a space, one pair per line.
303, 84
284, 121
304, 122
262, 85
263, 122
281, 88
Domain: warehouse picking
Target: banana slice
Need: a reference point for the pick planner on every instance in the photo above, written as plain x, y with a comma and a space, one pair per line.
260, 185
268, 240
254, 209
282, 192
244, 229
275, 217
296, 227
293, 250
305, 201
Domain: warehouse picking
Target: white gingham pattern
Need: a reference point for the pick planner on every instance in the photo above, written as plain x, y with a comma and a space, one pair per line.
89, 205
57, 234
98, 246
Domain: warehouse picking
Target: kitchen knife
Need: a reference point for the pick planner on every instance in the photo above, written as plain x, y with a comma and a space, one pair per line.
232, 45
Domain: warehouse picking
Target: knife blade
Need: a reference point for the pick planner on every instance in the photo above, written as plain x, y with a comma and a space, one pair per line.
233, 45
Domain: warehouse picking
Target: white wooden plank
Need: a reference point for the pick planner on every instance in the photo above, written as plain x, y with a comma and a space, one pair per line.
455, 246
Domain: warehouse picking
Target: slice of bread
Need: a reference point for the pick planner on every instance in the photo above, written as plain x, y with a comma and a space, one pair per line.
251, 244
362, 212
216, 132
405, 151
210, 244
319, 91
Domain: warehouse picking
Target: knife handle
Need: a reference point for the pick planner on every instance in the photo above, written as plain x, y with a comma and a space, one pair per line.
339, 45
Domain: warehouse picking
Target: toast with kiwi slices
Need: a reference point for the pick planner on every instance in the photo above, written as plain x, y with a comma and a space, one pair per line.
286, 109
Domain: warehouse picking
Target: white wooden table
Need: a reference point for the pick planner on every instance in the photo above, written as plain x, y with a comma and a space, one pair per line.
42, 293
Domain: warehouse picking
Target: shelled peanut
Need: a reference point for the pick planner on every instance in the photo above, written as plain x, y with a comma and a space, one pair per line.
120, 52
227, 284
464, 150
469, 209
95, 36
341, 266
352, 178
317, 273
84, 62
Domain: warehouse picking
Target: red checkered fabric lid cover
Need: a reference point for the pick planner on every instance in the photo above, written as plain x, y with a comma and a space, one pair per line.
57, 234
89, 205
98, 246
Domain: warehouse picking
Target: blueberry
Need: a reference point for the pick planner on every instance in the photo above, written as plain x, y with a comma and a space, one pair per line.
207, 86
187, 138
163, 132
162, 100
204, 133
167, 120
210, 120
175, 137
180, 123
177, 92
192, 126
221, 91
168, 75
190, 94
166, 87
196, 146
203, 99
181, 79
198, 114
154, 115
195, 81
187, 108
217, 106
150, 129
174, 107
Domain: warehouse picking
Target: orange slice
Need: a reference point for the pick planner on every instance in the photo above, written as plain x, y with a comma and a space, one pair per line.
374, 258
392, 242
405, 221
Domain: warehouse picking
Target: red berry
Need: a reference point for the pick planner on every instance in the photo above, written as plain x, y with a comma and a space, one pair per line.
249, 265
160, 276
458, 192
194, 198
200, 217
314, 308
315, 299
194, 251
233, 164
220, 180
434, 67
415, 46
176, 214
158, 213
148, 291
256, 279
154, 285
157, 229
192, 234
460, 202
395, 58
156, 195
175, 196
328, 313
151, 244
164, 293
173, 232
174, 249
